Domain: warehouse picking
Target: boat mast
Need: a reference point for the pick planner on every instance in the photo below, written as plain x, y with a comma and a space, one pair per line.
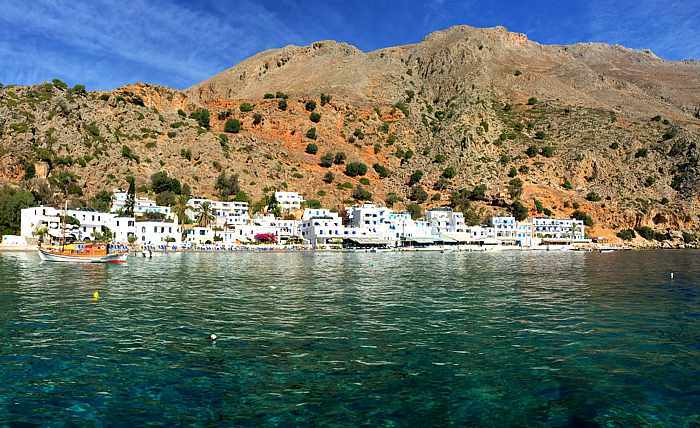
63, 226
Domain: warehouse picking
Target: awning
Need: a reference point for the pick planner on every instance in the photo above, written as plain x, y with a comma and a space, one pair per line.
420, 240
455, 237
368, 241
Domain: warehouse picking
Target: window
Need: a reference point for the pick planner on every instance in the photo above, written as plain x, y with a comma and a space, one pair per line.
143, 229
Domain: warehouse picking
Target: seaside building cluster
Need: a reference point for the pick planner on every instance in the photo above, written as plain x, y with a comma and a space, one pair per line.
227, 225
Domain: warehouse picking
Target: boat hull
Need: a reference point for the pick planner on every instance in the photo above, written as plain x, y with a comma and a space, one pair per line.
109, 258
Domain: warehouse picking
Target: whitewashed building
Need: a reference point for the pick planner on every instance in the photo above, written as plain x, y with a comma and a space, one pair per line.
158, 232
321, 227
141, 205
91, 222
289, 200
443, 220
556, 230
225, 213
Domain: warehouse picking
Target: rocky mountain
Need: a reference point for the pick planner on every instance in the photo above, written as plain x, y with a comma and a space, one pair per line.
586, 129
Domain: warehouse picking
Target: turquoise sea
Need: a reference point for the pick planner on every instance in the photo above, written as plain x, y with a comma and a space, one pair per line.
344, 339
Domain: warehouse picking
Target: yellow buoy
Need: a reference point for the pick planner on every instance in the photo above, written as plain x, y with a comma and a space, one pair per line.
96, 295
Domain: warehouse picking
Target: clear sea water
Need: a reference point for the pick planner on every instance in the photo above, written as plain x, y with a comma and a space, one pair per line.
382, 340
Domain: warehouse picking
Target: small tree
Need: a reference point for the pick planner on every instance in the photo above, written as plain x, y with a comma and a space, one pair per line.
626, 235
233, 126
315, 117
519, 211
246, 107
257, 119
202, 117
381, 170
282, 104
582, 216
415, 210
515, 188
311, 149
353, 169
567, 185
513, 172
532, 101
326, 160
310, 105
547, 151
311, 133
339, 158
361, 194
449, 173
418, 194
328, 177
531, 151
415, 178
325, 99
593, 197
227, 185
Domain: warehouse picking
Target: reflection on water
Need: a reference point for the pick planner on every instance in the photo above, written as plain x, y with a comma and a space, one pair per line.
342, 339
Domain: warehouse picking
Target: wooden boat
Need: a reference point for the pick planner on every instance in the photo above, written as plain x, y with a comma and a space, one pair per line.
82, 253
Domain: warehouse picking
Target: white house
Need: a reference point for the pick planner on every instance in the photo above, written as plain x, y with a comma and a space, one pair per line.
225, 213
141, 205
91, 222
158, 232
444, 220
289, 200
321, 227
556, 230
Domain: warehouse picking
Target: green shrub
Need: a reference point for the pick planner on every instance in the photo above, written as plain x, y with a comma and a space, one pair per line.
325, 99
584, 217
129, 154
593, 197
359, 134
517, 73
649, 181
532, 101
689, 237
202, 117
538, 206
315, 117
513, 172
439, 159
449, 173
641, 153
186, 154
181, 113
59, 84
12, 202
403, 107
353, 169
312, 149
257, 118
519, 211
233, 126
547, 151
377, 148
79, 90
615, 145
328, 177
670, 133
645, 232
312, 203
626, 235
311, 133
532, 151
540, 135
268, 96
415, 177
326, 160
310, 105
567, 185
381, 170
515, 188
365, 181
246, 107
339, 158
160, 182
391, 199
172, 134
418, 194
361, 194
346, 185
282, 104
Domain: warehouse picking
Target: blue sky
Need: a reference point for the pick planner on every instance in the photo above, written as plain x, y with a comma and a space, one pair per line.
105, 44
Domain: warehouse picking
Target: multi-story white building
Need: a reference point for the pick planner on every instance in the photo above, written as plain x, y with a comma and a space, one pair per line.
225, 213
321, 226
289, 200
158, 232
91, 222
444, 220
558, 230
141, 205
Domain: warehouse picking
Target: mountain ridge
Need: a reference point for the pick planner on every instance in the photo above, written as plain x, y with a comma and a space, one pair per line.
493, 106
